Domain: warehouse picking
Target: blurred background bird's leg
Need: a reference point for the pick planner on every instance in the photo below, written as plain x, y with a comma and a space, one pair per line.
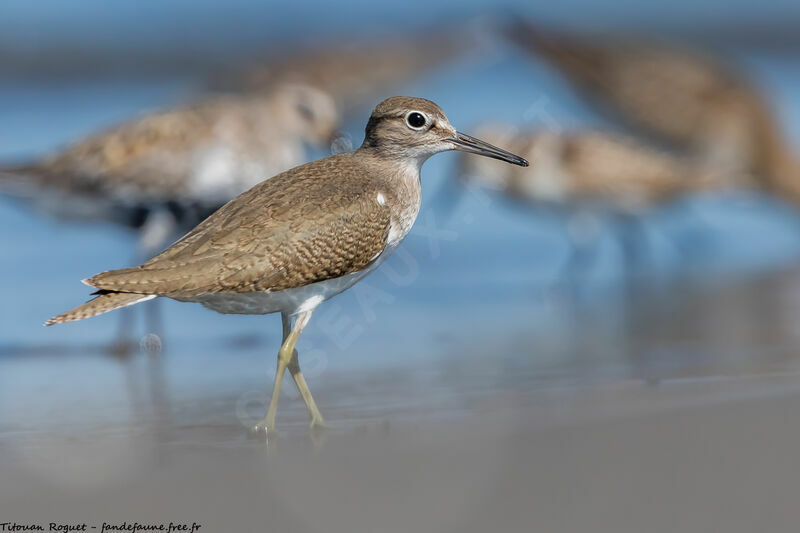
700, 239
582, 229
299, 379
634, 246
153, 341
133, 390
124, 343
450, 197
159, 397
158, 229
156, 233
285, 355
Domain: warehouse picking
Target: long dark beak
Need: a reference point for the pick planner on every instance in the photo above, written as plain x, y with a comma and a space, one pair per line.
465, 143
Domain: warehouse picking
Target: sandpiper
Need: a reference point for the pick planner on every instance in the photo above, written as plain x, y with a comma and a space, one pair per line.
301, 237
593, 168
680, 95
589, 173
165, 172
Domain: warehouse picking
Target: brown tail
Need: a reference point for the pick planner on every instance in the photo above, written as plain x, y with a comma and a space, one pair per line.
103, 303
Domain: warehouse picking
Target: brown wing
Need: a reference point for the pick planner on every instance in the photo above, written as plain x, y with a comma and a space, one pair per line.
627, 172
312, 223
620, 167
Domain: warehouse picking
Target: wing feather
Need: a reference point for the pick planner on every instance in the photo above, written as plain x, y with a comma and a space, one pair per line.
291, 230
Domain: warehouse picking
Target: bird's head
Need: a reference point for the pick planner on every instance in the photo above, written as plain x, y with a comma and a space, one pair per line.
313, 114
414, 129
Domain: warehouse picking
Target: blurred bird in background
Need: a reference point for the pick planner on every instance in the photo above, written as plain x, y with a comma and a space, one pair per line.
594, 167
594, 172
166, 171
680, 96
163, 173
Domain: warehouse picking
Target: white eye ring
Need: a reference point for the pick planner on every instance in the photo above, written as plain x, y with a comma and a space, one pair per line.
412, 120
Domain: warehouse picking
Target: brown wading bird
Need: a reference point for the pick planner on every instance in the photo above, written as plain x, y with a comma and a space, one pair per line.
679, 95
165, 172
594, 168
595, 171
301, 237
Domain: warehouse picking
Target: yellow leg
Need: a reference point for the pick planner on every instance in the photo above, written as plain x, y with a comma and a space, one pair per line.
302, 386
299, 379
285, 355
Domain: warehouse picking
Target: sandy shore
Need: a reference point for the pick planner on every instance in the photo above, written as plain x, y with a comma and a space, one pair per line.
688, 455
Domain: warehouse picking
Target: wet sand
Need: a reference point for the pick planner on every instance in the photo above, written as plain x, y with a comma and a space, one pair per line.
703, 455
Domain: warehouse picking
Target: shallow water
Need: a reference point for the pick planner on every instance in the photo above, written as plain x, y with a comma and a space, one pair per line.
467, 281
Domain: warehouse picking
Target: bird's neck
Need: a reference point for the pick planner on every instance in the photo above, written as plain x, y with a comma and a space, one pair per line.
397, 179
395, 153
393, 162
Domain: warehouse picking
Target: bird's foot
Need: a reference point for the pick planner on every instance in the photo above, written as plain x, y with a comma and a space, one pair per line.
317, 422
262, 431
317, 433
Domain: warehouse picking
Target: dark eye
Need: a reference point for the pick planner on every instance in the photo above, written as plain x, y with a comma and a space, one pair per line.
416, 120
305, 112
